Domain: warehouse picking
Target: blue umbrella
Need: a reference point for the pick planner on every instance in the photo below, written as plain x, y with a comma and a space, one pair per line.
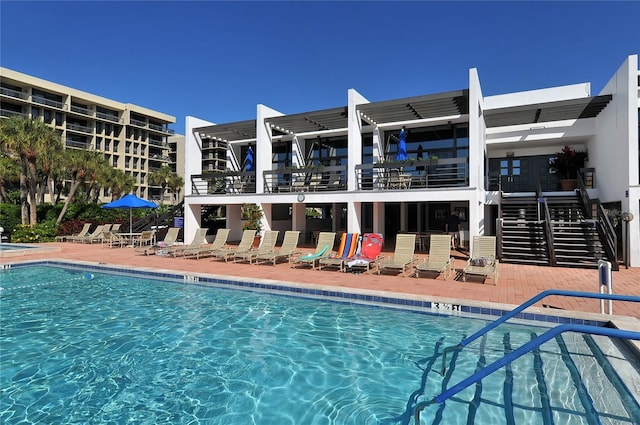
402, 146
248, 160
130, 201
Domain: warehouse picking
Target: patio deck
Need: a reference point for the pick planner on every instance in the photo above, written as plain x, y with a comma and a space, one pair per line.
517, 282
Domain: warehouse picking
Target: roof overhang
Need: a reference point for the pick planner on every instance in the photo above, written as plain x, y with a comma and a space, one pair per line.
415, 108
235, 131
571, 109
310, 122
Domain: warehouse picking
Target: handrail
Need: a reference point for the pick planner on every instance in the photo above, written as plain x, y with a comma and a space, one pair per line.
515, 354
526, 304
547, 226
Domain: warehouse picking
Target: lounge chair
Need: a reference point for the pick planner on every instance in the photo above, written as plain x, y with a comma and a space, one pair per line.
244, 246
368, 254
207, 250
113, 240
439, 260
169, 240
197, 242
81, 234
323, 250
95, 236
146, 238
267, 246
483, 261
115, 228
346, 250
403, 257
287, 250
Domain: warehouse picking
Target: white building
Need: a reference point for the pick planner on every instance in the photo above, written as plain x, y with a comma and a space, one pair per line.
484, 157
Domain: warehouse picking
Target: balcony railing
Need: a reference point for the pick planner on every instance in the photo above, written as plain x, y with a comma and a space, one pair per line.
81, 110
224, 182
108, 117
306, 179
13, 93
138, 122
77, 145
157, 142
402, 175
9, 113
49, 102
80, 128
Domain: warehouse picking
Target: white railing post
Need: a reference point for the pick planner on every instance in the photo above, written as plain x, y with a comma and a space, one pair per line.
604, 275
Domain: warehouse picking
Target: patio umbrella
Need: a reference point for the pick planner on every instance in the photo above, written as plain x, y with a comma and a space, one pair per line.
402, 146
130, 202
248, 160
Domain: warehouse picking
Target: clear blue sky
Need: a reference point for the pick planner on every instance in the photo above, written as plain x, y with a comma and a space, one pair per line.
217, 60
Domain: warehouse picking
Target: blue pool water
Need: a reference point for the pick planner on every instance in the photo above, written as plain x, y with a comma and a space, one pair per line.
14, 247
96, 348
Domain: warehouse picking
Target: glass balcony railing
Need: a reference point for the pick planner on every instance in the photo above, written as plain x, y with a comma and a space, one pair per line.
138, 122
80, 110
10, 113
224, 182
108, 117
306, 179
402, 175
13, 93
49, 102
80, 128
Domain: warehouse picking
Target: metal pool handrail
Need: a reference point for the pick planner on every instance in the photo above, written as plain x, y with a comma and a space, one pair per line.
526, 304
513, 355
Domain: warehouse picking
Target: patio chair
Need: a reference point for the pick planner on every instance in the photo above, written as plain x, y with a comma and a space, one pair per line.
287, 250
440, 260
323, 250
115, 228
403, 257
81, 234
368, 254
346, 250
207, 250
483, 261
169, 240
113, 240
244, 246
95, 236
267, 246
197, 242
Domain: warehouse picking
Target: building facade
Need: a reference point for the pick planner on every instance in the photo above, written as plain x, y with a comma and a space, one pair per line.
132, 138
354, 169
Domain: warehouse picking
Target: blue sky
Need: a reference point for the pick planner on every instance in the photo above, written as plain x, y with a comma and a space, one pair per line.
217, 60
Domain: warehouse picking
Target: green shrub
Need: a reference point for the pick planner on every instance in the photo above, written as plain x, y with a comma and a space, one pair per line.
9, 217
44, 232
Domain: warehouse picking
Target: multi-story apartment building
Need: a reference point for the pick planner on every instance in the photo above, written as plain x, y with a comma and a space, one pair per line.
133, 138
485, 157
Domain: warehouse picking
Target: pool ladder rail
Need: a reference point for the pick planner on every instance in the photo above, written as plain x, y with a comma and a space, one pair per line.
531, 345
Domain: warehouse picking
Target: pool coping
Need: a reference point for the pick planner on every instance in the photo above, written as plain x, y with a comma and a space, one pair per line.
32, 249
434, 304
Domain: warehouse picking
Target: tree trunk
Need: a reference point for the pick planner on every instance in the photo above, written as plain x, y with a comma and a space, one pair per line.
33, 198
24, 201
72, 192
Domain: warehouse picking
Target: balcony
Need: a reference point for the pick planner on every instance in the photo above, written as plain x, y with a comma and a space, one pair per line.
402, 175
75, 144
137, 122
81, 110
224, 182
158, 143
13, 93
306, 179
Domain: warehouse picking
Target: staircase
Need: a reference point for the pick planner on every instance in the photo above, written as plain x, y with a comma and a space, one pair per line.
523, 236
573, 378
576, 241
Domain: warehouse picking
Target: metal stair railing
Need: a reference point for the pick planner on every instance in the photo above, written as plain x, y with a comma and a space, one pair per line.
529, 303
548, 228
605, 229
517, 353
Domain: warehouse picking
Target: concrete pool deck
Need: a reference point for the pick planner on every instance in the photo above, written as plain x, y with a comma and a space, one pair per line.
517, 283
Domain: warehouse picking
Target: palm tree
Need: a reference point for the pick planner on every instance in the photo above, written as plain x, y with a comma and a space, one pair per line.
160, 177
83, 167
50, 166
28, 138
9, 172
176, 183
117, 181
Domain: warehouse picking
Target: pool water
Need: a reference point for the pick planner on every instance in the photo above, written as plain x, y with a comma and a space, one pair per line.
80, 348
13, 247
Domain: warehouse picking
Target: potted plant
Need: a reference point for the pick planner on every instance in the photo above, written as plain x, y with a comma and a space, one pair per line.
566, 164
252, 220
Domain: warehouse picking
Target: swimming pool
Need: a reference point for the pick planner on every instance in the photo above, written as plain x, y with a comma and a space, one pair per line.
126, 349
